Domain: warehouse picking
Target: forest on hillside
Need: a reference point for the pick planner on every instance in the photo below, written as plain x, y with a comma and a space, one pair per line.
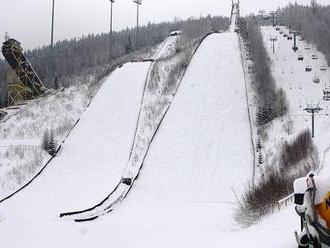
72, 57
312, 21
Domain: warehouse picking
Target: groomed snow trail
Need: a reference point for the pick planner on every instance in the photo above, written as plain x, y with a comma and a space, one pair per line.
92, 159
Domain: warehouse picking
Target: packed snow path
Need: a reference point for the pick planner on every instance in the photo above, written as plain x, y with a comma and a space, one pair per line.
92, 159
184, 195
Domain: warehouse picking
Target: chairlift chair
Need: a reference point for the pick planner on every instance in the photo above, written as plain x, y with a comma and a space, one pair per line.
316, 79
323, 68
308, 68
307, 48
314, 56
300, 57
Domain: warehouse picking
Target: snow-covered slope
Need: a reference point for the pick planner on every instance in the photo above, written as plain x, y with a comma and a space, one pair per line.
86, 167
185, 192
21, 132
197, 155
202, 154
289, 74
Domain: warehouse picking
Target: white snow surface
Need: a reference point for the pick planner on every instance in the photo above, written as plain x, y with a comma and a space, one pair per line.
22, 130
185, 192
290, 75
199, 151
202, 153
86, 167
153, 107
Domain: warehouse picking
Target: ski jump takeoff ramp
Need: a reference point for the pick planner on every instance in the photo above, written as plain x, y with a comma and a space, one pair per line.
184, 196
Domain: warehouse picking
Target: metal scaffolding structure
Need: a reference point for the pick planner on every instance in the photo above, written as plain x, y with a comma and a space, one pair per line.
29, 85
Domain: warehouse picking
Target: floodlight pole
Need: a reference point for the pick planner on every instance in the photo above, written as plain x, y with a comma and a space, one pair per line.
52, 40
138, 3
110, 34
313, 110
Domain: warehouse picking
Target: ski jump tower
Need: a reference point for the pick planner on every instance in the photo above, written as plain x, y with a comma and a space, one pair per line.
234, 15
29, 85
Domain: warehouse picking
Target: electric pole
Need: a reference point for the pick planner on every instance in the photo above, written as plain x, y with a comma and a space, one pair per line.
138, 3
312, 110
273, 39
110, 34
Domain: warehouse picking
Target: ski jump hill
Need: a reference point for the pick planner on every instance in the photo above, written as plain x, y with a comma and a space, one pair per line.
200, 158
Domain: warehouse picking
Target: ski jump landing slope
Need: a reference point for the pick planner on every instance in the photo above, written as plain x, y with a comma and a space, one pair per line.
201, 154
93, 158
203, 147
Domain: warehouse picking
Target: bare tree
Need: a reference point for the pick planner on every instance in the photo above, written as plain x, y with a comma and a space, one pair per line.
313, 5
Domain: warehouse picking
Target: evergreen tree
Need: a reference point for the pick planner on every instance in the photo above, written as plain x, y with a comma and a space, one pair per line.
258, 145
56, 85
260, 159
45, 141
52, 144
49, 143
128, 45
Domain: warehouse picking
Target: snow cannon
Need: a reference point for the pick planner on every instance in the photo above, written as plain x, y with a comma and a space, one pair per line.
312, 204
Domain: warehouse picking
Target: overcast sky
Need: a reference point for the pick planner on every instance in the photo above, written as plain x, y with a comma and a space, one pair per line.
29, 21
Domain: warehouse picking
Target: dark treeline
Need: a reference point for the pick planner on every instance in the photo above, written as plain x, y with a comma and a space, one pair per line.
73, 56
312, 22
271, 101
